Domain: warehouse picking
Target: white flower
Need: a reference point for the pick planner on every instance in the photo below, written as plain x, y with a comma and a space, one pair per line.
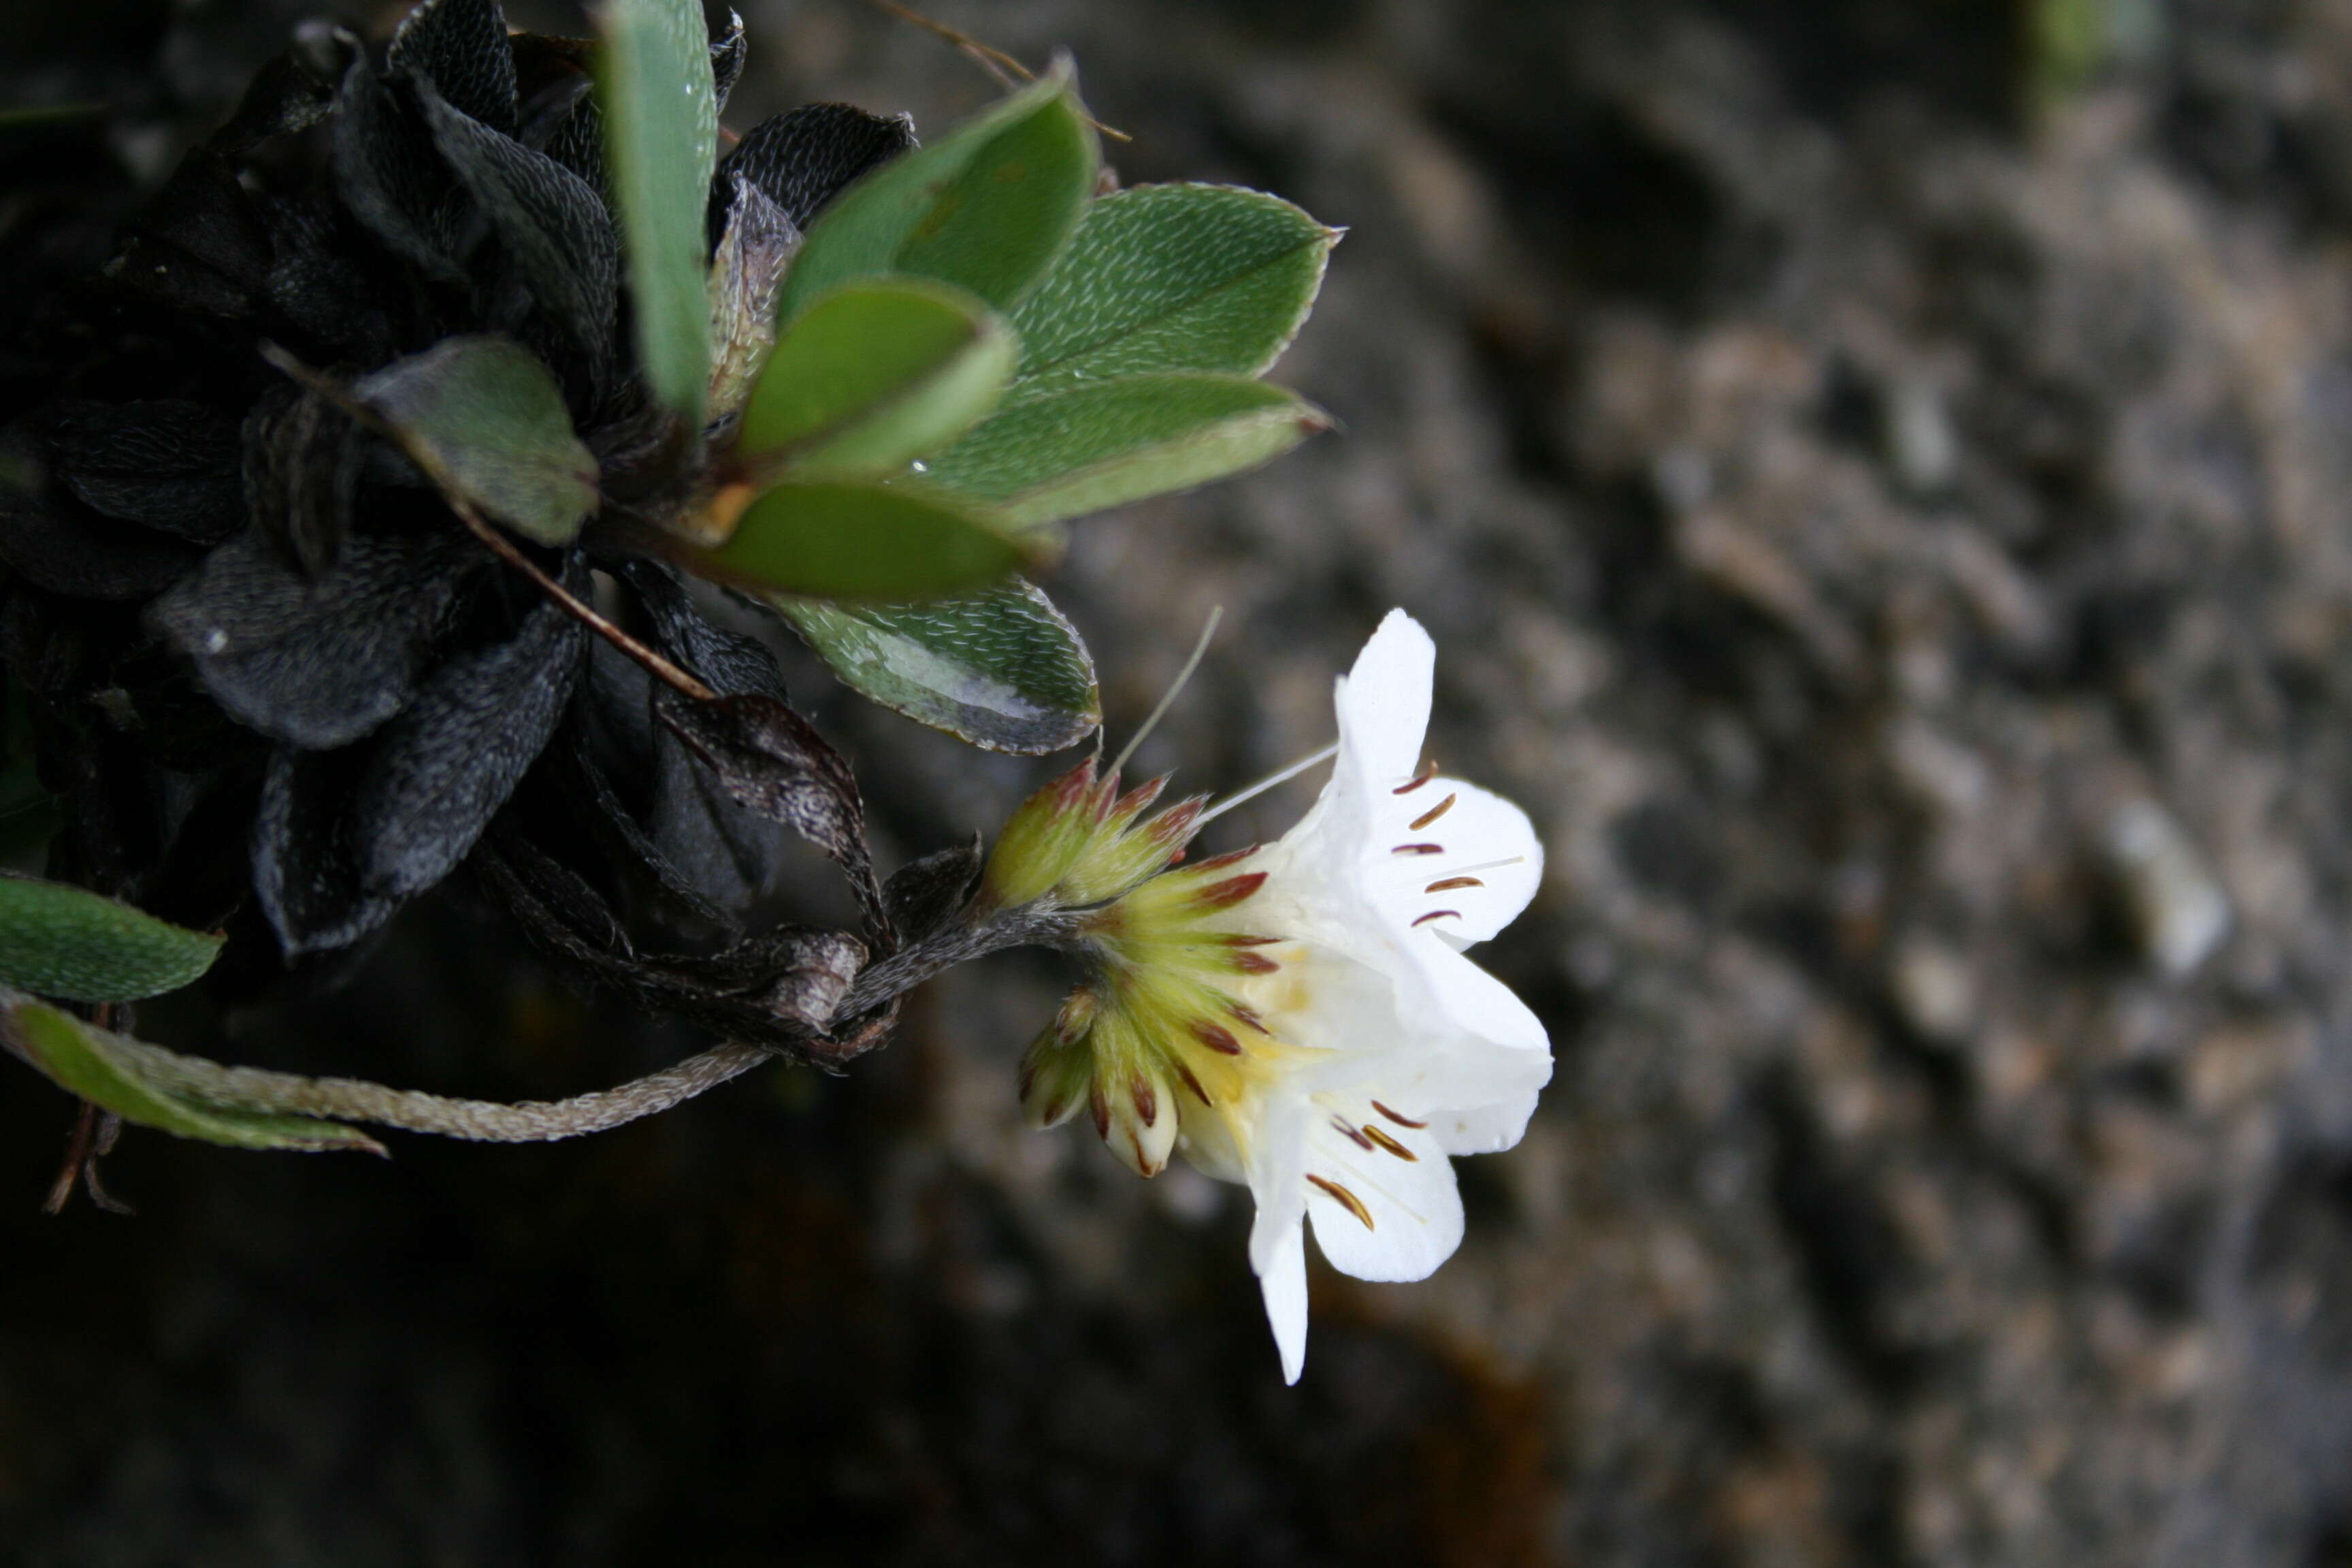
1406, 1052
1299, 1017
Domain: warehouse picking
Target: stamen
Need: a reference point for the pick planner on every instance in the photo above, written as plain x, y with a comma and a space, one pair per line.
1437, 915
1194, 1085
1355, 1205
1248, 1016
1448, 884
1428, 772
1249, 941
1216, 1036
1361, 1141
1433, 812
1495, 865
1389, 1144
1399, 1120
1417, 849
1254, 963
1199, 650
1283, 777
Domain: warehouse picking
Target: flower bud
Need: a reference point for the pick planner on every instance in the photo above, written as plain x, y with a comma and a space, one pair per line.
1128, 851
1044, 835
1141, 1129
1058, 1070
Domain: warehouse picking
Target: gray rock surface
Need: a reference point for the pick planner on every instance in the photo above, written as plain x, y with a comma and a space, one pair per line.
1892, 534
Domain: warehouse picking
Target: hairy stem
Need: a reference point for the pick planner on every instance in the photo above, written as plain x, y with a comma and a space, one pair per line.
480, 1120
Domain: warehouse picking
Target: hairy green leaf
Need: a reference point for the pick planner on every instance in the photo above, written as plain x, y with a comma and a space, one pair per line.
1174, 277
1000, 668
660, 112
486, 419
68, 942
120, 1075
986, 207
1100, 444
874, 374
845, 540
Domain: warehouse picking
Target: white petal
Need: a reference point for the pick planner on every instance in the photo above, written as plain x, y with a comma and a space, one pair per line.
1447, 831
1383, 703
1275, 1154
1415, 1207
1284, 1282
1482, 1129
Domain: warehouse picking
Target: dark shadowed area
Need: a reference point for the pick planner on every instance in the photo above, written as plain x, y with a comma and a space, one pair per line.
1879, 474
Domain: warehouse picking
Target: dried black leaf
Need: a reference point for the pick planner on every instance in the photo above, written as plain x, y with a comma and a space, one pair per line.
929, 894
728, 662
770, 760
727, 52
86, 557
780, 988
302, 460
316, 283
460, 46
170, 464
390, 179
304, 872
292, 92
202, 245
442, 768
806, 156
316, 662
550, 220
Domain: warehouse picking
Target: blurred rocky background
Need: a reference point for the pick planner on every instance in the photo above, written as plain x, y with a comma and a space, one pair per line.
1880, 476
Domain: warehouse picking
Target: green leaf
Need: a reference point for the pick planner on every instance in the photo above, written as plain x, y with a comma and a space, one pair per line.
487, 421
842, 540
1000, 668
121, 1075
986, 207
68, 942
661, 136
1174, 277
1101, 444
876, 374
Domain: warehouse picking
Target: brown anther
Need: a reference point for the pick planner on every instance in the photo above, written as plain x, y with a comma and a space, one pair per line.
1231, 891
1428, 772
1216, 1036
1399, 1120
1254, 963
1448, 884
1437, 915
1249, 941
1194, 1084
1433, 812
1389, 1144
1355, 1205
1146, 1097
1230, 857
1417, 849
1247, 1017
1099, 1103
1348, 1131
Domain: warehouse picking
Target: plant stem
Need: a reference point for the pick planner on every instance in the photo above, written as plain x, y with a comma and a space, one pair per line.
480, 1120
